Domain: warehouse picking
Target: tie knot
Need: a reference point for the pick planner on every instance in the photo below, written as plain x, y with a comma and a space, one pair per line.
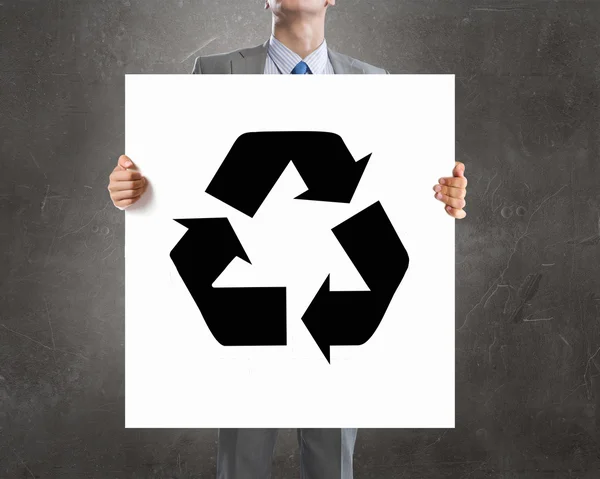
301, 69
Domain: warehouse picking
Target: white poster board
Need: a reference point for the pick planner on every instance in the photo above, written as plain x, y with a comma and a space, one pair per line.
179, 131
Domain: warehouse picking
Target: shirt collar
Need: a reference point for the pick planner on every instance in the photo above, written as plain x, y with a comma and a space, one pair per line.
285, 59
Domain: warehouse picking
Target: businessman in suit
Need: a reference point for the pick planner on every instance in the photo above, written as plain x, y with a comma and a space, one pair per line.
297, 45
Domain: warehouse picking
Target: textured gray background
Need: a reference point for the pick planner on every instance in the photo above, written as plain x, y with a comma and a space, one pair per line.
527, 255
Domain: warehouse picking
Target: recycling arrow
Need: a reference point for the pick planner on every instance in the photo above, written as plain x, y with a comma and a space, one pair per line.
350, 318
257, 316
257, 159
235, 316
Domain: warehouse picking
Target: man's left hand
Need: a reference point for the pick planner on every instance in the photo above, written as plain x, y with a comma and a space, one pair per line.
451, 190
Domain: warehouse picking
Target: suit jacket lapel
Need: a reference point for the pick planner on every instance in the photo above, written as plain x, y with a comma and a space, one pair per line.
343, 64
250, 61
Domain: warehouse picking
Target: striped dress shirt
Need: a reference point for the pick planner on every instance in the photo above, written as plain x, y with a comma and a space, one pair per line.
282, 60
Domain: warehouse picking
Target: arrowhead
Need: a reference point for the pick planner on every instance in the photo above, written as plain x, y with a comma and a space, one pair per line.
316, 319
221, 228
240, 252
344, 187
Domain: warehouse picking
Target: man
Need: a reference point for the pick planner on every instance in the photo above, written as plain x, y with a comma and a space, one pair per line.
297, 46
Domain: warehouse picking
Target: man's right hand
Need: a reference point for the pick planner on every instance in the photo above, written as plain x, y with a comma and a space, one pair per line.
126, 185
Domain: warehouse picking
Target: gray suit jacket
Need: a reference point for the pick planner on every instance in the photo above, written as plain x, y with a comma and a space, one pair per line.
252, 60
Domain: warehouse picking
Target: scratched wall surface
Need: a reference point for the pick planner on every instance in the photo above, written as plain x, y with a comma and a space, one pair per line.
527, 255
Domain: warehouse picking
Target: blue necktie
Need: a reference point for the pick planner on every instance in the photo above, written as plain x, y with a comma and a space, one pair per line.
301, 69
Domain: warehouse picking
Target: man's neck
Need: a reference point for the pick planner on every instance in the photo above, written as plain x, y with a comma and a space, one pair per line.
302, 36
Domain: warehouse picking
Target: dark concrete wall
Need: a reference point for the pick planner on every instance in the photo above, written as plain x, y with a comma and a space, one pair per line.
527, 255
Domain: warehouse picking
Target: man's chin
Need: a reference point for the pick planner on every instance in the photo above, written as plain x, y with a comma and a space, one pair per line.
300, 7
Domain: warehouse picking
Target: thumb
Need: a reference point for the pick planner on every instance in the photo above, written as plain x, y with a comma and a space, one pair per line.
459, 169
125, 162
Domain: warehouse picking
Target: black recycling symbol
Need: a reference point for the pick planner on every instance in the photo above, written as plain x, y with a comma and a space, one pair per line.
257, 316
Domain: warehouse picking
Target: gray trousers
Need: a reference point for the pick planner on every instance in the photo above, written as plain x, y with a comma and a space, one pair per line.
248, 453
